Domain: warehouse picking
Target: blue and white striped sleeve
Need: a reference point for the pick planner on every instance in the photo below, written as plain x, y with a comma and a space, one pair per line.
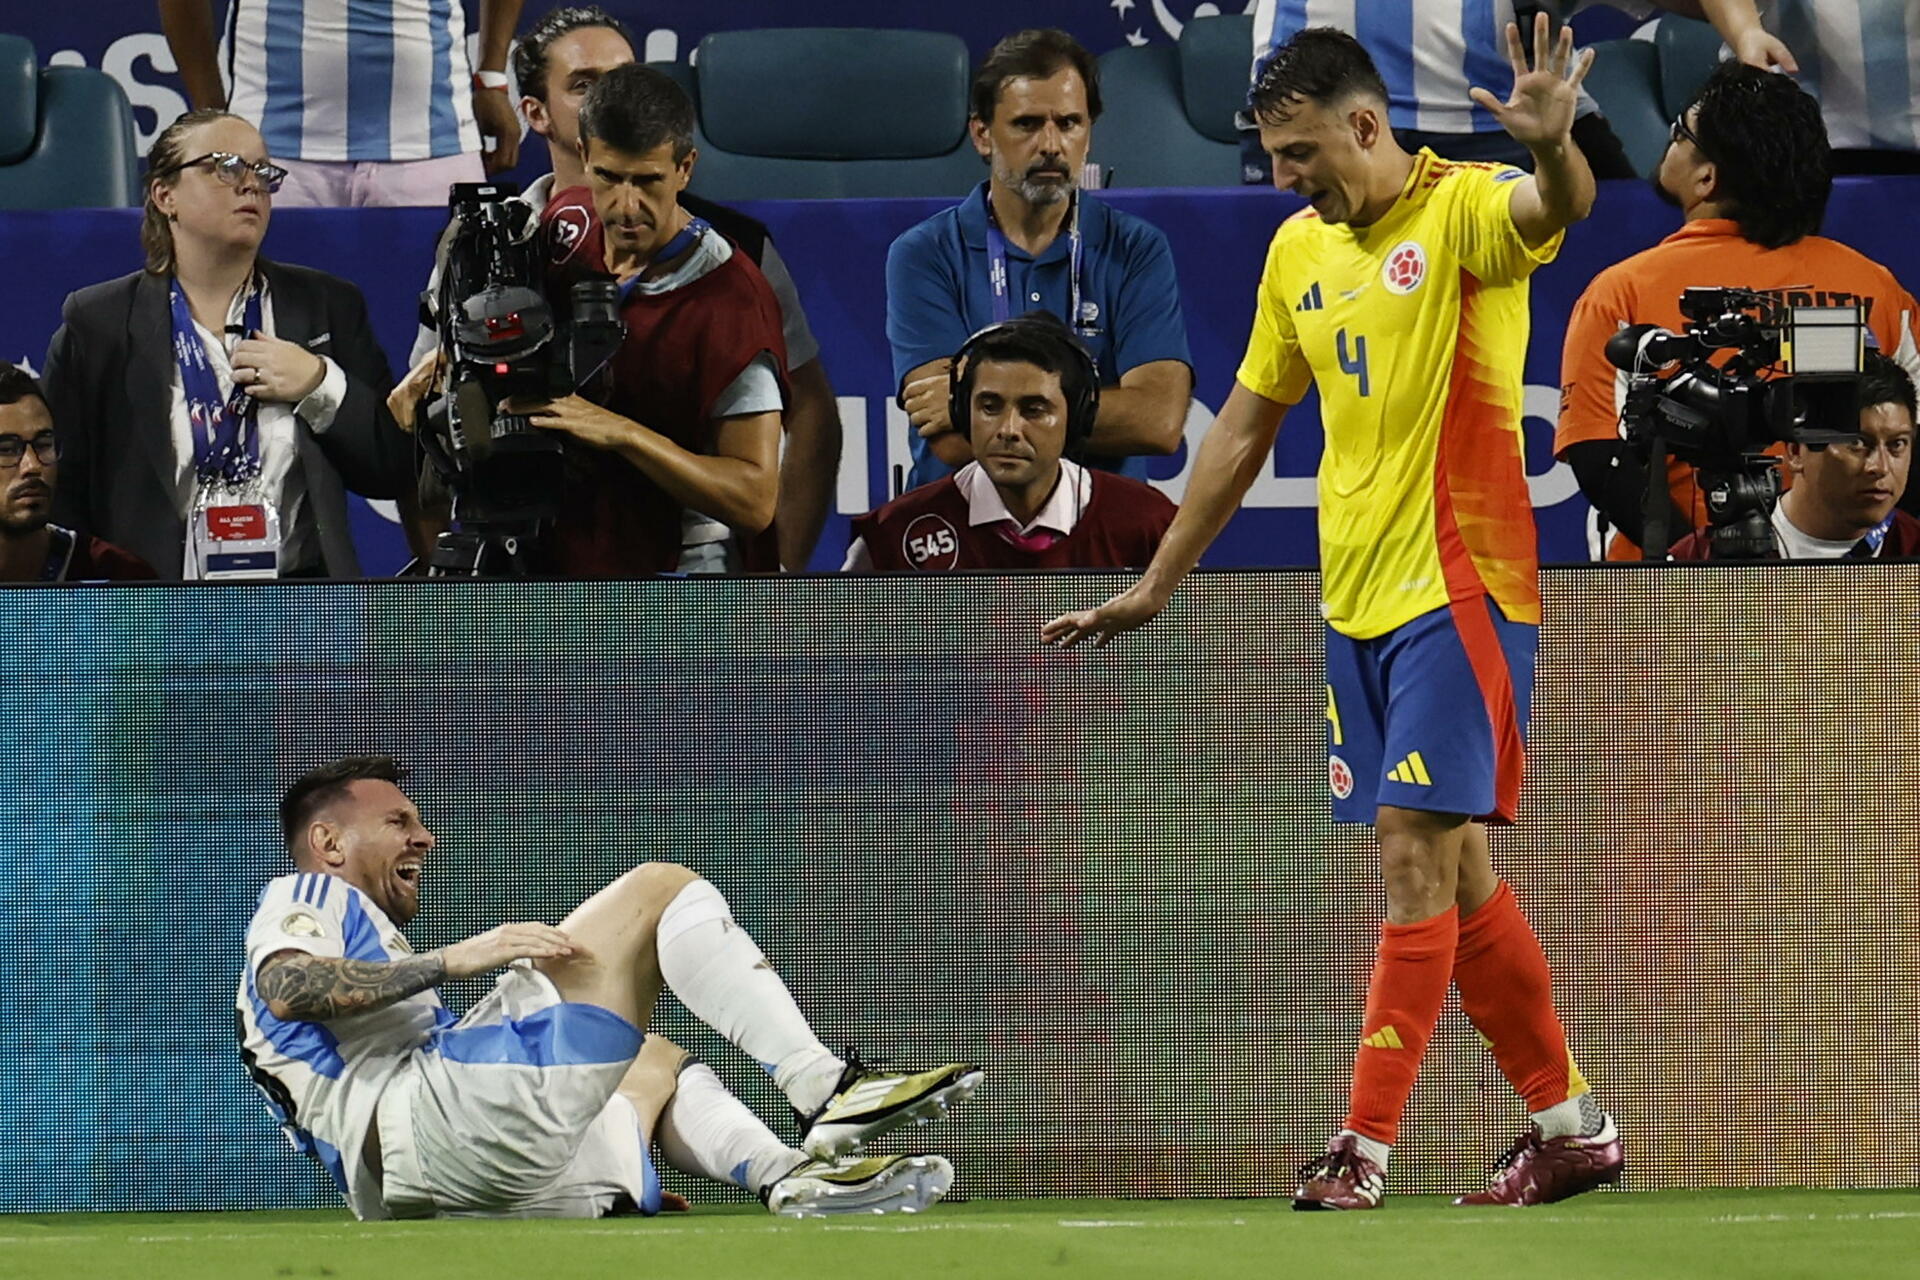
306, 911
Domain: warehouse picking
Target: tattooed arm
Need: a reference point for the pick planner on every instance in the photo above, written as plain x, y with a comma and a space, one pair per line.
301, 987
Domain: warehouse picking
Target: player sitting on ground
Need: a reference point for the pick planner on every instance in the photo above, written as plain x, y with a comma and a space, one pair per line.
546, 1099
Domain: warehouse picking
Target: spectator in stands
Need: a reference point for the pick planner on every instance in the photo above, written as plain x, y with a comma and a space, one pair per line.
1855, 56
556, 63
1431, 56
1029, 395
363, 104
1747, 166
214, 408
1841, 505
32, 548
1026, 239
694, 396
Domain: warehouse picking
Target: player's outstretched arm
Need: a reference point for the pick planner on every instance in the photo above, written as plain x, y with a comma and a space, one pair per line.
300, 987
1230, 459
1538, 114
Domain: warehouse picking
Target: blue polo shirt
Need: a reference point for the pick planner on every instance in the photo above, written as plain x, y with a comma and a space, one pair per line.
938, 295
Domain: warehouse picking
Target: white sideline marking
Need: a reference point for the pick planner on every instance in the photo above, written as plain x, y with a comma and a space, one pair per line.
655, 1226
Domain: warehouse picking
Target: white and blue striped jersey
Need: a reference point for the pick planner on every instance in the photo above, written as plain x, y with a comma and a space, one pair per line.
334, 80
1429, 52
1861, 58
323, 1081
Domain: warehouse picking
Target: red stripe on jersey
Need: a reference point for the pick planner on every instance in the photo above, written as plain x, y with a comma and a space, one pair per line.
1483, 515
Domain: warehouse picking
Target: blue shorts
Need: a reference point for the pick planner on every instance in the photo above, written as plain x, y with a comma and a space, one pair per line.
1432, 715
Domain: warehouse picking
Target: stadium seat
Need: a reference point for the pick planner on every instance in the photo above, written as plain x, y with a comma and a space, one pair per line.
1169, 111
1625, 81
66, 135
1689, 50
782, 117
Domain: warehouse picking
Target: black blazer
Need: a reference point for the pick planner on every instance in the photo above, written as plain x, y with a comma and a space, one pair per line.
109, 380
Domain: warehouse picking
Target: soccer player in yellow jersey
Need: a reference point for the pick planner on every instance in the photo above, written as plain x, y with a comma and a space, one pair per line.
1401, 290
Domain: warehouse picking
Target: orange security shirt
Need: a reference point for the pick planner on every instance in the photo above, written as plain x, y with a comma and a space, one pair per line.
1646, 288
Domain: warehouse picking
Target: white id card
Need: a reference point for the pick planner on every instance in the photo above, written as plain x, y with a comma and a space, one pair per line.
235, 536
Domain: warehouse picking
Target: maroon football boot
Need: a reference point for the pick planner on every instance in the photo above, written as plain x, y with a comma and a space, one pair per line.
1340, 1179
1538, 1170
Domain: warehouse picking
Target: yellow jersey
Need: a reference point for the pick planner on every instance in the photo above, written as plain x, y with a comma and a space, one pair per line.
1415, 329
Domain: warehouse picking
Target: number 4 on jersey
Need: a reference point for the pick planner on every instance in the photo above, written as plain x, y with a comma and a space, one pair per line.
1356, 362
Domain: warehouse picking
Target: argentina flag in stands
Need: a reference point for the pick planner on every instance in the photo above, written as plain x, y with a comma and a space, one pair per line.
334, 80
1861, 58
1429, 62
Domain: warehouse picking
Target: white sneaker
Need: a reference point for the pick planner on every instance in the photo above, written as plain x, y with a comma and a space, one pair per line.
877, 1184
868, 1102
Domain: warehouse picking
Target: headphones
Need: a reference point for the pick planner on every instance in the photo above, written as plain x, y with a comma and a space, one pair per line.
1041, 335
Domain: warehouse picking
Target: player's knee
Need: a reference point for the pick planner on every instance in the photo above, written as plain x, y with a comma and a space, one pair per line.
1418, 874
661, 1056
654, 884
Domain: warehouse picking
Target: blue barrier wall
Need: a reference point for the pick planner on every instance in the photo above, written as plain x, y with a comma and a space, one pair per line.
1108, 876
837, 250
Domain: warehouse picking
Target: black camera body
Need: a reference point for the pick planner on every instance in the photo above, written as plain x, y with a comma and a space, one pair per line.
500, 338
1791, 376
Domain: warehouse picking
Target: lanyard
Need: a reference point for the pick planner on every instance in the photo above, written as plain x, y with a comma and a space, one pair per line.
1877, 536
683, 240
997, 266
225, 445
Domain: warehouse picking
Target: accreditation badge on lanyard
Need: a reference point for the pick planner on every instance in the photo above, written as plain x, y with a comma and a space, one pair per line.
1083, 316
233, 527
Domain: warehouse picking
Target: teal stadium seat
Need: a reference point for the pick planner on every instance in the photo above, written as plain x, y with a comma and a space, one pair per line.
1689, 51
825, 112
1169, 110
1625, 81
1642, 85
66, 135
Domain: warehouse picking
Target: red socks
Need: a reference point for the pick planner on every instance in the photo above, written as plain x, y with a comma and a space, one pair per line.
1506, 990
1411, 972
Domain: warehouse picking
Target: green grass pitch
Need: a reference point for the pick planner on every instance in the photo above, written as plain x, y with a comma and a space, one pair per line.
1719, 1234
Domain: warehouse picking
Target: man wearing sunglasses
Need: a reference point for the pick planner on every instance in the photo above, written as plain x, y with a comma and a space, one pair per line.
1749, 168
32, 549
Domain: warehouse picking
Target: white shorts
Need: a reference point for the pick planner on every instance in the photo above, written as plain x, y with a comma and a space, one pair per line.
514, 1112
374, 184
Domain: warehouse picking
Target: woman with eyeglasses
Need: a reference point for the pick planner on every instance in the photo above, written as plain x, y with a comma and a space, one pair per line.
215, 407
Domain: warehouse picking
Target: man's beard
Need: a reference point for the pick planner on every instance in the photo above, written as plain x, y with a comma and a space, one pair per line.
1660, 189
20, 526
1034, 190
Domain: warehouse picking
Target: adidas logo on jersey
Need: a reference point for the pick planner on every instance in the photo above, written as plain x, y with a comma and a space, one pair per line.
1385, 1038
1412, 770
1311, 300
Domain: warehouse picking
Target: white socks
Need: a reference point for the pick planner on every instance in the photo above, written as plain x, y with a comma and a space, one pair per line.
719, 973
706, 1130
1578, 1117
1372, 1148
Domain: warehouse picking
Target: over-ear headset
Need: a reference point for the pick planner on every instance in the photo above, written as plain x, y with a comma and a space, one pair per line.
1037, 333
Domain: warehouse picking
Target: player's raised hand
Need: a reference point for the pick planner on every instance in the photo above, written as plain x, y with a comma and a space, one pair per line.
1539, 111
1131, 609
503, 944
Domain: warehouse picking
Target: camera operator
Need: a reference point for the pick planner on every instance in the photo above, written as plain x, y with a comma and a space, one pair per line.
1841, 505
1748, 165
556, 62
693, 396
